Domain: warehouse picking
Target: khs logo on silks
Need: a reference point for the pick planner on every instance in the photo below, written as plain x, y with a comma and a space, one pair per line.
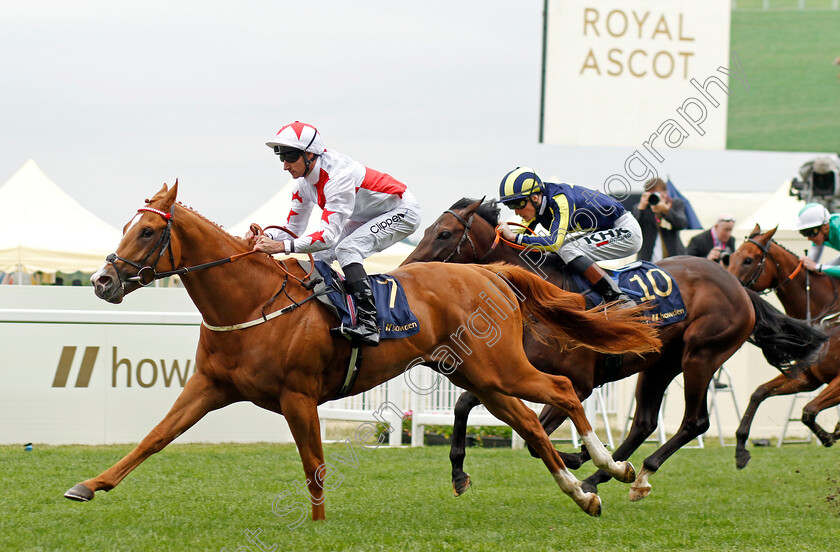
146, 372
383, 224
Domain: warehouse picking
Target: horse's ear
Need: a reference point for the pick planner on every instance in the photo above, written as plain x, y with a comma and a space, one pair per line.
472, 208
769, 235
167, 196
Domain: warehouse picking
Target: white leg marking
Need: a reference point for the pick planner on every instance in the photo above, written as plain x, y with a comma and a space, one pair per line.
622, 471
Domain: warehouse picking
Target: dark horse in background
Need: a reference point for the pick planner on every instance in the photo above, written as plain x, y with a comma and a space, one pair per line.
722, 315
264, 340
762, 264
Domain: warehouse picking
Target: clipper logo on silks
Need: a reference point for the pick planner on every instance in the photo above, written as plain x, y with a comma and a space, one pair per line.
603, 237
383, 224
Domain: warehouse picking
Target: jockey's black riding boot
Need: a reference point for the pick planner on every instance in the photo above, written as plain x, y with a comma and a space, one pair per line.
600, 280
366, 329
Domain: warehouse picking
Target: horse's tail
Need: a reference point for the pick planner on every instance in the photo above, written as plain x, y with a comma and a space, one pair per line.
788, 344
622, 330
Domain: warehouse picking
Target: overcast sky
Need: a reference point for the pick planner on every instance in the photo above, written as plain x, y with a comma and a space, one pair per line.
112, 99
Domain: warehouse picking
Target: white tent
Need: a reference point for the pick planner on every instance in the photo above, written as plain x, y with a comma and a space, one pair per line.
44, 229
779, 209
275, 210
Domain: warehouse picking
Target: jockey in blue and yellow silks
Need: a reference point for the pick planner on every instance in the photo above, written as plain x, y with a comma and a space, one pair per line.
583, 225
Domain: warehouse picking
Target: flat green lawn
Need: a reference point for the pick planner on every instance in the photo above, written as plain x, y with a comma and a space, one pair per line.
204, 497
793, 103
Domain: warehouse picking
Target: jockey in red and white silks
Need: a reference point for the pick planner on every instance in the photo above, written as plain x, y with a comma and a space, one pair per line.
363, 211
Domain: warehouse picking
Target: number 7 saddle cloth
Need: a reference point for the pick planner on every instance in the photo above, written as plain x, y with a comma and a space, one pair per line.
393, 312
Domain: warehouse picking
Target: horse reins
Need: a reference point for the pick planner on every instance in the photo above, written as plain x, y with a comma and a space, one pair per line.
146, 273
467, 223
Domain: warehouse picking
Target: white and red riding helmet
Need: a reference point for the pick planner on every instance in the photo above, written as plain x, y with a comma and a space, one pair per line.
301, 136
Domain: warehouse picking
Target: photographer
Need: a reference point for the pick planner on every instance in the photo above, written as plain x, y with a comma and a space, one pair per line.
661, 218
716, 243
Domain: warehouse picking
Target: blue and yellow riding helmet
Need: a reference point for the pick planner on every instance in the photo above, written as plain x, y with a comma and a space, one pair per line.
517, 185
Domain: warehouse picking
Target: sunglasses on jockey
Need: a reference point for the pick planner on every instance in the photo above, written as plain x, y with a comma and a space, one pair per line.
288, 155
810, 232
516, 203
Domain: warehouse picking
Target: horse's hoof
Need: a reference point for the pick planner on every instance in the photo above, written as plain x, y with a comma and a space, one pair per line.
460, 485
742, 458
639, 492
629, 473
79, 492
592, 505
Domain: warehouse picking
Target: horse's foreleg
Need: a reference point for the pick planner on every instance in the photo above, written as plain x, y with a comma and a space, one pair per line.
828, 397
780, 385
301, 412
458, 449
523, 420
198, 398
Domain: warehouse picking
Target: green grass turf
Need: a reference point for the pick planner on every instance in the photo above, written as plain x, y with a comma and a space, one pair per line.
203, 497
793, 101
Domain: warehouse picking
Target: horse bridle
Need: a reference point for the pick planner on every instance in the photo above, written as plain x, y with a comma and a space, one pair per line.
146, 273
467, 224
765, 252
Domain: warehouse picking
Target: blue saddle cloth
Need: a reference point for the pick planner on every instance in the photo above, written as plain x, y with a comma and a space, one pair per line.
644, 281
392, 310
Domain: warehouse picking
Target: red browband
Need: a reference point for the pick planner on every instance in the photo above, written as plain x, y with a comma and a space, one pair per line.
167, 216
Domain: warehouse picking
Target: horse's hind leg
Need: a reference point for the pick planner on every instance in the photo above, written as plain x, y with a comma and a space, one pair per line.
828, 397
780, 385
524, 421
198, 398
458, 449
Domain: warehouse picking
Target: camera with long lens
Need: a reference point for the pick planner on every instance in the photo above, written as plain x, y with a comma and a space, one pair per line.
654, 198
725, 254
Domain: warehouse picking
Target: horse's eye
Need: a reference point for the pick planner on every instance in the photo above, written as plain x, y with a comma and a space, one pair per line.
445, 235
748, 260
147, 233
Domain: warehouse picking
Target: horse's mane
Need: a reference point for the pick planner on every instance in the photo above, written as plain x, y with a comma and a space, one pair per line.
488, 210
754, 234
205, 219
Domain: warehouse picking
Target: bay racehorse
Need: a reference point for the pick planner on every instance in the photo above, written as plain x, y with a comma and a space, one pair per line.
263, 340
763, 265
721, 316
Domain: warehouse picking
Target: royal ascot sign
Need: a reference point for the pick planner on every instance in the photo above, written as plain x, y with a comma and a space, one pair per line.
614, 69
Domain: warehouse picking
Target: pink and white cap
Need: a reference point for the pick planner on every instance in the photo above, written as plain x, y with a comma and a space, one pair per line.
300, 136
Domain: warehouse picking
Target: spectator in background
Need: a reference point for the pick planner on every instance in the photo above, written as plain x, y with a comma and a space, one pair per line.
716, 242
661, 218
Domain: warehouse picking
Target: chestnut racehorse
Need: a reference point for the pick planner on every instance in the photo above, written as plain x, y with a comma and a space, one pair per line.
762, 264
290, 364
721, 316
